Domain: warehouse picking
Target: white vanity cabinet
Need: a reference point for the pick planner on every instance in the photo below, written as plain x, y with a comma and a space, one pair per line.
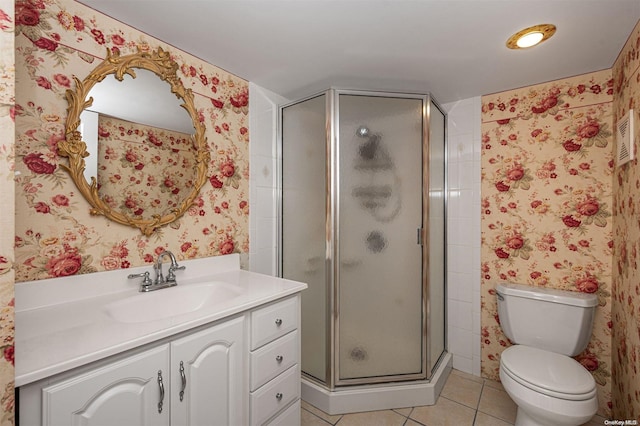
197, 379
208, 376
127, 392
237, 371
221, 348
274, 364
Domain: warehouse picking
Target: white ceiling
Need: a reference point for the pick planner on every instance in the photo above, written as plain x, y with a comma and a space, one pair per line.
454, 49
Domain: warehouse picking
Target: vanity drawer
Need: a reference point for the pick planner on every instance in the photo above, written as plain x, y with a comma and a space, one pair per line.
273, 321
274, 358
275, 395
289, 417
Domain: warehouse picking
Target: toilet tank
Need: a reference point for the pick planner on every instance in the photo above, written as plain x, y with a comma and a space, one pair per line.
559, 321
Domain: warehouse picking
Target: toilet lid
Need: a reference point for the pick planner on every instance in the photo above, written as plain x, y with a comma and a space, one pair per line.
547, 372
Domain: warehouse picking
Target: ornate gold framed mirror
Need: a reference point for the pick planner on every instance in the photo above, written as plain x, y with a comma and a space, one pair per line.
137, 171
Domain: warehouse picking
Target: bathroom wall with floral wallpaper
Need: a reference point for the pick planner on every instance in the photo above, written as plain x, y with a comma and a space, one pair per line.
44, 44
625, 308
547, 181
55, 235
555, 210
7, 102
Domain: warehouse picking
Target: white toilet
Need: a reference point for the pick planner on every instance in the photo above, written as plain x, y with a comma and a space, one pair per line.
547, 327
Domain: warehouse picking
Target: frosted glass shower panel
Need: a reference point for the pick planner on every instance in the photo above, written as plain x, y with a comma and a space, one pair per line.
379, 259
303, 222
437, 226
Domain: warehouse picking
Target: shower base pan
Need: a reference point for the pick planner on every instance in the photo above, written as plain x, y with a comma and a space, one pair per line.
354, 399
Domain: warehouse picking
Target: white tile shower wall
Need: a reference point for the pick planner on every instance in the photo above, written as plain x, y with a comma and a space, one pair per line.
263, 107
463, 234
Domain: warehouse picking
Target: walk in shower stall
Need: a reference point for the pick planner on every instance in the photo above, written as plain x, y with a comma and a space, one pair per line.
362, 222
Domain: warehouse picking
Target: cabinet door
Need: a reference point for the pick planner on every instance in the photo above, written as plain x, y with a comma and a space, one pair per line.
208, 376
126, 392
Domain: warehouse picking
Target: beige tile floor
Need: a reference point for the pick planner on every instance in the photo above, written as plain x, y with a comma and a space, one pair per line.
465, 400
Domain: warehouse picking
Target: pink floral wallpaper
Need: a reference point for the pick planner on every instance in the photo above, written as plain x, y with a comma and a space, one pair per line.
547, 221
55, 234
143, 170
626, 233
555, 211
7, 218
48, 232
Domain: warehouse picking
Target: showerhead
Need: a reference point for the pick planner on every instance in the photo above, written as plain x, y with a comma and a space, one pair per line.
363, 131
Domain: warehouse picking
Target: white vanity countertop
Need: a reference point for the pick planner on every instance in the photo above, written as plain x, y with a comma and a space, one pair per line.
62, 323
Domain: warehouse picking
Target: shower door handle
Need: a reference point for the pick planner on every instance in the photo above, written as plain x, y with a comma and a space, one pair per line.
420, 236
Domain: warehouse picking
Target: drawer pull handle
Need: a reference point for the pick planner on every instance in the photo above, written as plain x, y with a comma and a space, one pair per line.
279, 396
279, 322
161, 385
183, 377
279, 359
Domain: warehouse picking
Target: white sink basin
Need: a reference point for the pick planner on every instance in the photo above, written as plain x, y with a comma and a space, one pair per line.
172, 301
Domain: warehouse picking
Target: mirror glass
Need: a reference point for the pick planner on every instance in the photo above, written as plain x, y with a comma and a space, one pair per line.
136, 148
139, 141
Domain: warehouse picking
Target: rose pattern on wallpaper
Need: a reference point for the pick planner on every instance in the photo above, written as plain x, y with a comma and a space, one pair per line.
55, 234
626, 229
546, 205
7, 217
143, 170
7, 332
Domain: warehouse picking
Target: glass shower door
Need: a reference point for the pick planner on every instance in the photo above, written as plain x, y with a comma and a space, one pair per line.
379, 256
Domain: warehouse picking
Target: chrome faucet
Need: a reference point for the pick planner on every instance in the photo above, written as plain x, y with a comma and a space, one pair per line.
171, 277
159, 282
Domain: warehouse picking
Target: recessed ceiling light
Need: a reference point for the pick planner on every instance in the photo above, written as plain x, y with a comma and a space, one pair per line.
531, 36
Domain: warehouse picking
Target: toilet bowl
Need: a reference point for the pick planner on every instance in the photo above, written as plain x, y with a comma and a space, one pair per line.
548, 388
547, 327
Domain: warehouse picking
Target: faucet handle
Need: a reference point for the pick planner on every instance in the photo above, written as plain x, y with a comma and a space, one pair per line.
171, 276
146, 280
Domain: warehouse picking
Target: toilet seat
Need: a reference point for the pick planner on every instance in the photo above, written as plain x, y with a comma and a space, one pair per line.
549, 373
